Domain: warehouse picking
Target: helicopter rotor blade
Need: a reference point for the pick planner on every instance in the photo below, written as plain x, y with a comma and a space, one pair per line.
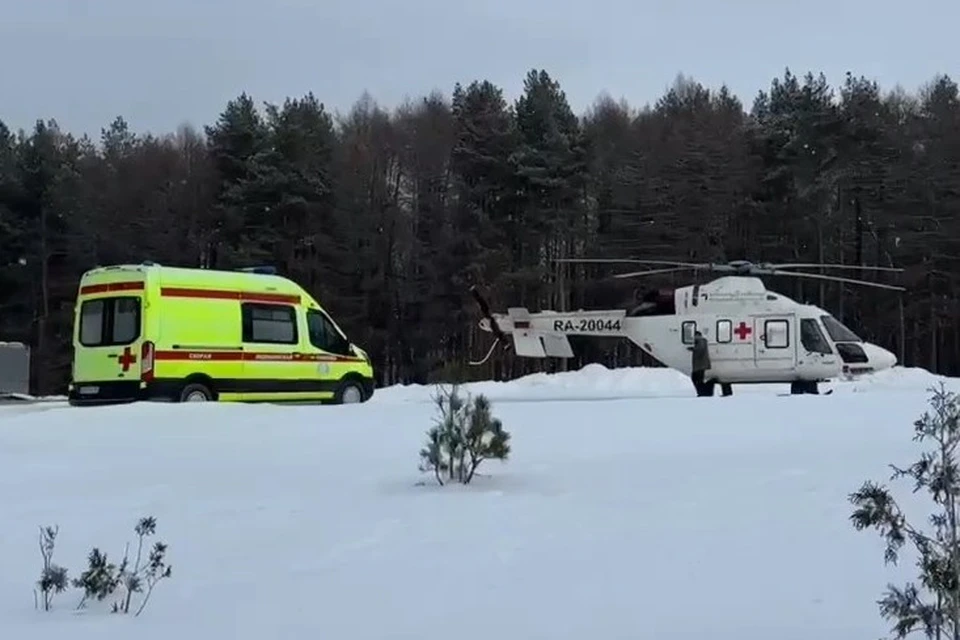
817, 276
481, 302
833, 266
650, 272
666, 263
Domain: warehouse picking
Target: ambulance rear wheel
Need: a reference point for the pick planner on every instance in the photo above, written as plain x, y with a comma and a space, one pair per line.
196, 392
349, 392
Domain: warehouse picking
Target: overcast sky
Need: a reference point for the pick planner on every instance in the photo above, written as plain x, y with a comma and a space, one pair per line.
164, 63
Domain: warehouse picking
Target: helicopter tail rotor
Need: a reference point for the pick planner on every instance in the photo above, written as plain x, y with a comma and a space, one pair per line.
487, 317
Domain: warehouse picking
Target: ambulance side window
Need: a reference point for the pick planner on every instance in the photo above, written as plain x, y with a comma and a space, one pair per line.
687, 330
324, 335
269, 323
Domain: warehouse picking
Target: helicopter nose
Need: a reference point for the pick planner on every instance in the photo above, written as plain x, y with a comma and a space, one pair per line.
878, 357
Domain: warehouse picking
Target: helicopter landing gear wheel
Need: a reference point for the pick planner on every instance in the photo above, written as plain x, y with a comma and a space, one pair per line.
801, 387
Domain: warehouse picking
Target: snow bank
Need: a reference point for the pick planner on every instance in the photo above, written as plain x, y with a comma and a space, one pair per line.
898, 379
597, 382
593, 382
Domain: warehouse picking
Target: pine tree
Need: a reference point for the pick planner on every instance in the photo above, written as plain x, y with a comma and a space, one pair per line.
15, 310
47, 214
290, 220
933, 607
235, 141
551, 166
483, 214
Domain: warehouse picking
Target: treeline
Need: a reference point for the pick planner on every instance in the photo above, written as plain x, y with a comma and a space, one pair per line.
389, 217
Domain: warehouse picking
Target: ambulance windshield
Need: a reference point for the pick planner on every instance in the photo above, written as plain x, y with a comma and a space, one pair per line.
324, 334
838, 332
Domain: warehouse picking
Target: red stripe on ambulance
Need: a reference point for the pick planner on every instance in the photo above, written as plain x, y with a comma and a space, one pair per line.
91, 289
235, 356
224, 294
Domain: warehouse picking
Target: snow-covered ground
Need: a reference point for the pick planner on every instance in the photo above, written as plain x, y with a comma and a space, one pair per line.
647, 514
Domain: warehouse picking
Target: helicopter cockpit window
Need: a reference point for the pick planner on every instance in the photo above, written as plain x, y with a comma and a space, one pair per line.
851, 353
687, 329
838, 332
812, 338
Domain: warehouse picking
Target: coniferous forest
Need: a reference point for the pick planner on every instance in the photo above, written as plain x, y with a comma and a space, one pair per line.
389, 216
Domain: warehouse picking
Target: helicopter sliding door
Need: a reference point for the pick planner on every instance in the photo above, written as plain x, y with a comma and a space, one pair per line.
775, 346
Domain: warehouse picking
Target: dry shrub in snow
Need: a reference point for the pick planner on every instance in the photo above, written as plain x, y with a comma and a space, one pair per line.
465, 433
103, 580
53, 577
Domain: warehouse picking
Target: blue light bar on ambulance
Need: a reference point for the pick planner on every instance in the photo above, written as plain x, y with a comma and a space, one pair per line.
269, 271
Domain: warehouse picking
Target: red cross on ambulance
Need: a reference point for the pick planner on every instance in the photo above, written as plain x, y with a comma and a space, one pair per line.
126, 359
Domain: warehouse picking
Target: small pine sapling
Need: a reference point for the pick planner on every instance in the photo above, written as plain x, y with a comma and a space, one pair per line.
431, 456
933, 607
100, 579
486, 438
53, 577
464, 435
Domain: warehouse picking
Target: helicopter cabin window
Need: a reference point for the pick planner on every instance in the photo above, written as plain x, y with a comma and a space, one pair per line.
776, 334
659, 302
724, 331
812, 338
687, 329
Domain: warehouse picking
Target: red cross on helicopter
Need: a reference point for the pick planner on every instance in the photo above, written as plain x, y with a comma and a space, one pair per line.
743, 330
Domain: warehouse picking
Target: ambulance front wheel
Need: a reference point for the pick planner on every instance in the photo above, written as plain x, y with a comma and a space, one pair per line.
196, 392
349, 392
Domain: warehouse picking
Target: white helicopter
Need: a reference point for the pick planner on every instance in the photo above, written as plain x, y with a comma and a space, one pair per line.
754, 335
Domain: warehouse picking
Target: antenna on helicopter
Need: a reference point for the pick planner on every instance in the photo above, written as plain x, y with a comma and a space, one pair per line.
742, 268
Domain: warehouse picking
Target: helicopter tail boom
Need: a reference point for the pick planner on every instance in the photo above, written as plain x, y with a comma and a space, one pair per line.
544, 334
